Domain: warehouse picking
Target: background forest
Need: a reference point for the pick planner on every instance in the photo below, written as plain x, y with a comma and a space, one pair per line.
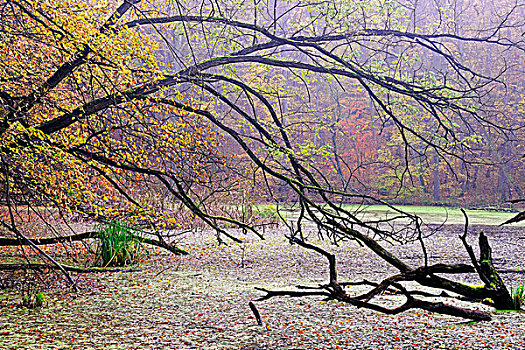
470, 155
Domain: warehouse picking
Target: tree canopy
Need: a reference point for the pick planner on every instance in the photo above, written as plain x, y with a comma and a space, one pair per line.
108, 110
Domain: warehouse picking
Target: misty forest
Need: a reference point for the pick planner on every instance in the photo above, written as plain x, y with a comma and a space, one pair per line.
262, 174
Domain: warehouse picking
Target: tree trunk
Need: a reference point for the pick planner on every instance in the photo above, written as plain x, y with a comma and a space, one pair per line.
501, 296
435, 159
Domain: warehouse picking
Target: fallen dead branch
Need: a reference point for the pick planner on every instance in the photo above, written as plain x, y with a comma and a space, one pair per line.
334, 290
40, 267
12, 242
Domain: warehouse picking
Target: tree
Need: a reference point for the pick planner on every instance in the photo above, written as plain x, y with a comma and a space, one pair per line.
105, 78
73, 142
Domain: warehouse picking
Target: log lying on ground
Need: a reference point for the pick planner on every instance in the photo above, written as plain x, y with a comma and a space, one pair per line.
493, 289
17, 267
13, 242
335, 291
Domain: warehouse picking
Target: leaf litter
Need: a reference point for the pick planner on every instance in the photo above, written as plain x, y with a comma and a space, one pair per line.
201, 302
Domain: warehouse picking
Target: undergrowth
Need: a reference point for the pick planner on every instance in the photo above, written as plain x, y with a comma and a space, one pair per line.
518, 295
119, 244
32, 298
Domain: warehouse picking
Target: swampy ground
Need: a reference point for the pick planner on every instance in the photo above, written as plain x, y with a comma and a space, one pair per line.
200, 301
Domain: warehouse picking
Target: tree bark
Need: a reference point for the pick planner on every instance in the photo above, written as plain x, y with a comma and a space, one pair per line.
15, 267
11, 242
501, 296
436, 182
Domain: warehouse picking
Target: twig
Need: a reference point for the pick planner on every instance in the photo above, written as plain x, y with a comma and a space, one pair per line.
256, 313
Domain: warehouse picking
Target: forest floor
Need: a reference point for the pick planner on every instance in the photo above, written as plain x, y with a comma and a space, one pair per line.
200, 301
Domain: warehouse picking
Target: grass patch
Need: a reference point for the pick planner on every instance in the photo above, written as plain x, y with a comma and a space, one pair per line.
518, 295
268, 212
119, 244
435, 214
32, 298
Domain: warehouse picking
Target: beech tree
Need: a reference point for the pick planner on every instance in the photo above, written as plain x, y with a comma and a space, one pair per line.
97, 102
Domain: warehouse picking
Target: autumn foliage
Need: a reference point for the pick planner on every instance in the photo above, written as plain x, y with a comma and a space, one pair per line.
65, 143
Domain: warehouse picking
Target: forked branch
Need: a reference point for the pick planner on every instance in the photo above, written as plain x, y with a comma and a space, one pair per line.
335, 291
